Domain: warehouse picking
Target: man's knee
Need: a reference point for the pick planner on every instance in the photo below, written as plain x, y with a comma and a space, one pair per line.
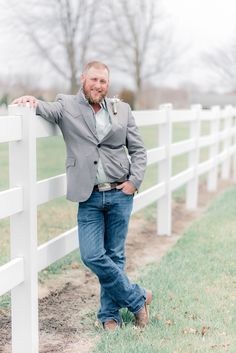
91, 260
118, 259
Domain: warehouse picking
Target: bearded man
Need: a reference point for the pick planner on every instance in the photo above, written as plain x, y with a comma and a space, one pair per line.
105, 166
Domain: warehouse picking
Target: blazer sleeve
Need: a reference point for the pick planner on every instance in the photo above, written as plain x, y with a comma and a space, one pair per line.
51, 111
137, 152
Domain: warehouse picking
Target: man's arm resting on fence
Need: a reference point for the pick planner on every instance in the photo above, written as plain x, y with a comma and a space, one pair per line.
50, 111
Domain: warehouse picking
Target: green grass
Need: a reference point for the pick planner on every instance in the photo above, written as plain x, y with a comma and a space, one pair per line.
194, 291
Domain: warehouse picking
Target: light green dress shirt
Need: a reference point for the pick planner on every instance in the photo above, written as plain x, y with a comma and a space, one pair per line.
103, 126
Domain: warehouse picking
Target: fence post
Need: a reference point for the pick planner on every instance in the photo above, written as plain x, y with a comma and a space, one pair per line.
212, 179
225, 169
164, 174
24, 297
193, 159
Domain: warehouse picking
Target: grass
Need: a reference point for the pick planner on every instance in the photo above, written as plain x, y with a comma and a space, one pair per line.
194, 309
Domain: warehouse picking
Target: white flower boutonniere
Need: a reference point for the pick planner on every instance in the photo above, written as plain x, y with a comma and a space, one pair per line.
114, 102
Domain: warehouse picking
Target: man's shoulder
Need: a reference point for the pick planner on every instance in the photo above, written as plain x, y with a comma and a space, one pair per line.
69, 102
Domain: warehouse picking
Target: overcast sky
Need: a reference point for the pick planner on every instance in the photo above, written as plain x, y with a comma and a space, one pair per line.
205, 25
198, 24
205, 22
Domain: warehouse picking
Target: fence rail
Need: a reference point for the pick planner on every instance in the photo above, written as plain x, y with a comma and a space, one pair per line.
22, 128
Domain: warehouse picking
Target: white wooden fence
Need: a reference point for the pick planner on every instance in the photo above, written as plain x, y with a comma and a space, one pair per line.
21, 129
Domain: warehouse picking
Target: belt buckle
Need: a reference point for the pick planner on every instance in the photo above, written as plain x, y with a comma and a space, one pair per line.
104, 186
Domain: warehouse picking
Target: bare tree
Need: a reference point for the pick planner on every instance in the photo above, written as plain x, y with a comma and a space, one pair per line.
140, 44
222, 64
61, 31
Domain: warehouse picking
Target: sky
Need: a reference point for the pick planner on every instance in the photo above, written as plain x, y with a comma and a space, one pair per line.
199, 25
204, 25
205, 22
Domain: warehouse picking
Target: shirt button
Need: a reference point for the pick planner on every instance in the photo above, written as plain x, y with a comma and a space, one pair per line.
95, 162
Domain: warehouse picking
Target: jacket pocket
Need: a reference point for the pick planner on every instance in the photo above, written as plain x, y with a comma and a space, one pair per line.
70, 162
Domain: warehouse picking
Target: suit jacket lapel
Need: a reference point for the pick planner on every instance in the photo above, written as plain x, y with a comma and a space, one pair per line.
88, 117
87, 114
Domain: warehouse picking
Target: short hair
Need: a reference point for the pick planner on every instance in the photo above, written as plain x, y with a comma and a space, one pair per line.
97, 65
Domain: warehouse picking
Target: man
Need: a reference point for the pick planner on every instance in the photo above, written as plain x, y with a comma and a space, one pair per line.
105, 165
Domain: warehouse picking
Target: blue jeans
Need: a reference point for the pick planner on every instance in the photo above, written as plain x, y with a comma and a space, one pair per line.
103, 225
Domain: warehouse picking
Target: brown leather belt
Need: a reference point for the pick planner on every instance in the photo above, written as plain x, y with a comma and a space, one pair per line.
106, 186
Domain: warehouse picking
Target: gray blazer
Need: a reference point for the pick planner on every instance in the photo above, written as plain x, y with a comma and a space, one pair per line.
76, 120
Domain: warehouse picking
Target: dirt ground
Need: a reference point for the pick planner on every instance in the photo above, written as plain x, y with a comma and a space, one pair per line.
68, 303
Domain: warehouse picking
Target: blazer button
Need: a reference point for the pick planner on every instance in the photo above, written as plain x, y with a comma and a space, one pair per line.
95, 162
99, 145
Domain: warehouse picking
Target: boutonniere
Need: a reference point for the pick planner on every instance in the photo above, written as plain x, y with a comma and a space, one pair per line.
114, 102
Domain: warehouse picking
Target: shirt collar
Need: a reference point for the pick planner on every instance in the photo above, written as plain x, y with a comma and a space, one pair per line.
103, 105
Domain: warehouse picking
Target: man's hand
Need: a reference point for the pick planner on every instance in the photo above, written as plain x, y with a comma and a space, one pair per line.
127, 188
26, 101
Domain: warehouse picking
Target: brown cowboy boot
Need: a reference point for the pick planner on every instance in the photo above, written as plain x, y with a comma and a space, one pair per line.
110, 325
141, 317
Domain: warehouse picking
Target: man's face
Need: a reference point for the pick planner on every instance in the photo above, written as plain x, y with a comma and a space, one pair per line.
95, 84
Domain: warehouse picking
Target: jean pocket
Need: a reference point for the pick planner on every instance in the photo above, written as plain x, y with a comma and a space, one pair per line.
122, 192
